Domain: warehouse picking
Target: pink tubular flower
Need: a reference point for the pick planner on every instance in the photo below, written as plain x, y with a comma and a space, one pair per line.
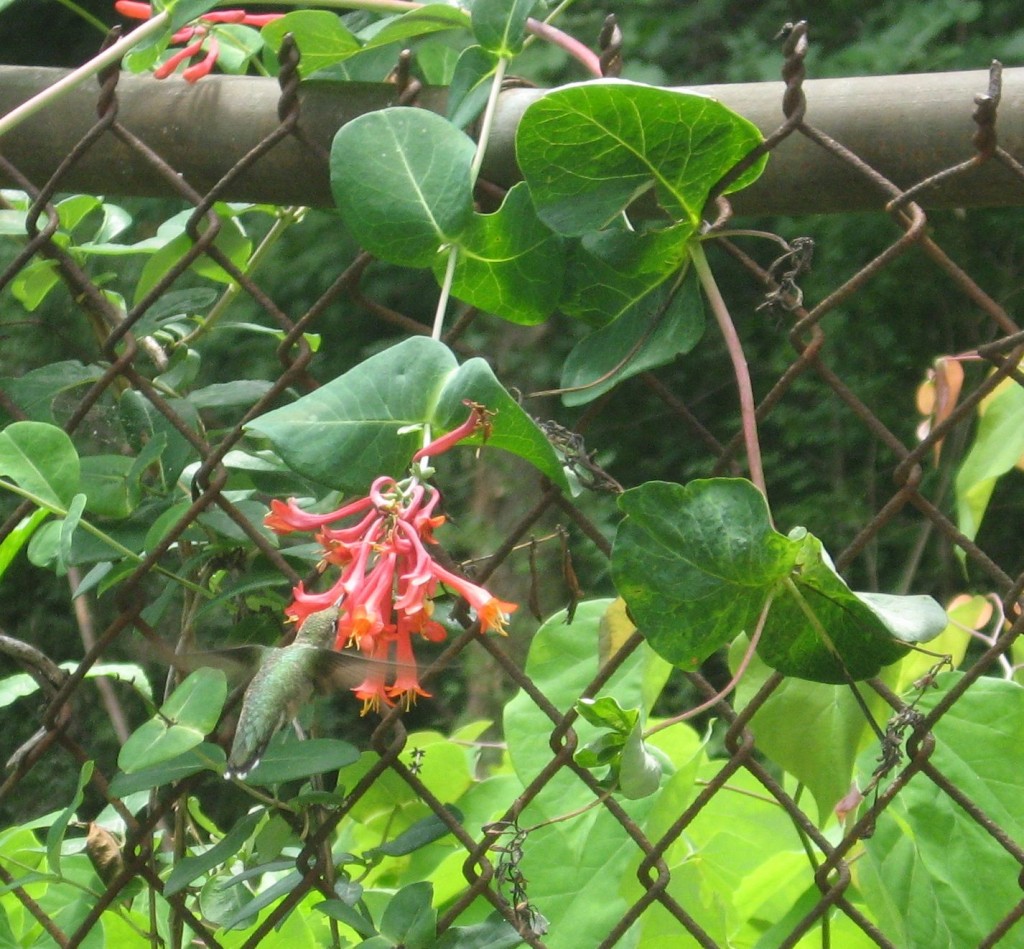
388, 578
479, 421
199, 37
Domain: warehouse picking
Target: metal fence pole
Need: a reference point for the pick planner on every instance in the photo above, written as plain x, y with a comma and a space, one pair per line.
906, 127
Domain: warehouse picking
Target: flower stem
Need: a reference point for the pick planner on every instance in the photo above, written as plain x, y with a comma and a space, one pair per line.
739, 363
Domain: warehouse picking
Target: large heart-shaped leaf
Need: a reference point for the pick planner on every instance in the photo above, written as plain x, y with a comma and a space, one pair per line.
916, 875
696, 563
588, 150
368, 421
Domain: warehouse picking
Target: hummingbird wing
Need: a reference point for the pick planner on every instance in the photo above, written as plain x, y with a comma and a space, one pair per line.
332, 671
238, 662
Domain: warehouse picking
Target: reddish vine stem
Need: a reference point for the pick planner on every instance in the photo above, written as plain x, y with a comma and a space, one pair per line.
739, 363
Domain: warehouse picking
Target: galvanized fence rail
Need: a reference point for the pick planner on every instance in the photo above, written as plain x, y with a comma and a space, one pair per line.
488, 868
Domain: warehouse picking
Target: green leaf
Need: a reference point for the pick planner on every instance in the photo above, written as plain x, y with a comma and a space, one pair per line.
494, 933
430, 18
923, 888
365, 423
12, 544
812, 730
21, 684
34, 282
401, 180
41, 459
68, 526
423, 832
639, 770
198, 701
696, 563
349, 915
287, 760
998, 447
409, 919
858, 637
605, 712
241, 393
57, 830
588, 150
35, 391
322, 38
500, 25
660, 326
206, 756
634, 769
189, 868
613, 270
230, 241
111, 485
470, 85
509, 263
184, 720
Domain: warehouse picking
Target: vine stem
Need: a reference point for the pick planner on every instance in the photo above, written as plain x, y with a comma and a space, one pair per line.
108, 57
748, 654
96, 532
739, 363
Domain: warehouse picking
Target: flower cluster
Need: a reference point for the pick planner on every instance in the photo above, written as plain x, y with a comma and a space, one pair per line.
387, 581
198, 36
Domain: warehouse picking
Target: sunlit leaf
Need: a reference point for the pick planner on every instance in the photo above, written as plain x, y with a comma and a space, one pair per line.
509, 263
368, 421
588, 150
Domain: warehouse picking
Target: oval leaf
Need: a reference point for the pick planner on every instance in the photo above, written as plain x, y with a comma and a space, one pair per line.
401, 180
41, 459
367, 422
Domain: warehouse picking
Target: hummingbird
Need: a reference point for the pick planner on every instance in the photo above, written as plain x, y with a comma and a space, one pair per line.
285, 679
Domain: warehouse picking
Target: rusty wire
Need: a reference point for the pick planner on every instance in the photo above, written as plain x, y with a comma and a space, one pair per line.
488, 867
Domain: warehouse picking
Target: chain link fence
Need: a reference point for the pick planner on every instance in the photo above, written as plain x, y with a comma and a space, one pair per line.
492, 855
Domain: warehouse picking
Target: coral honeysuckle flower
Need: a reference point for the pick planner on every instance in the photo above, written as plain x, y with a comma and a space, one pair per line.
479, 421
387, 581
199, 37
